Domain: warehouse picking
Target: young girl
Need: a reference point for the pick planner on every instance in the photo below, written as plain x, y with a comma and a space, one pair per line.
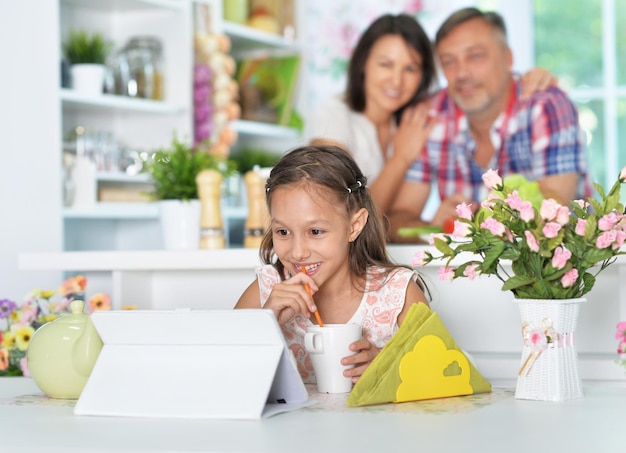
323, 221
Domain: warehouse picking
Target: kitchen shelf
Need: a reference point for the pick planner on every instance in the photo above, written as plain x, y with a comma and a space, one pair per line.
126, 5
131, 211
110, 102
255, 128
123, 177
245, 39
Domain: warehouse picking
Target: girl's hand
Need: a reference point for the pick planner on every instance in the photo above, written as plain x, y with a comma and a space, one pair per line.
366, 352
290, 298
413, 131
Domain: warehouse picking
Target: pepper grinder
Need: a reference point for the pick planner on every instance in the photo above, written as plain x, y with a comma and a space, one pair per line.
258, 215
211, 225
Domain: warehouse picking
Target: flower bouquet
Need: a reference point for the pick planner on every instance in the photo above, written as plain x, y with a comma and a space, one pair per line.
19, 323
554, 251
548, 255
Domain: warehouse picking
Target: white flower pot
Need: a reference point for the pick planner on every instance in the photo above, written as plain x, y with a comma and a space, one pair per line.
88, 79
549, 372
180, 224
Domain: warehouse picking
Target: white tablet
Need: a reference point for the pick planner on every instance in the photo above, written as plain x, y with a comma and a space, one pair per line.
218, 364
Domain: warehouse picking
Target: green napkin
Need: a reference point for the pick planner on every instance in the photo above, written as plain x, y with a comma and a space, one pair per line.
421, 361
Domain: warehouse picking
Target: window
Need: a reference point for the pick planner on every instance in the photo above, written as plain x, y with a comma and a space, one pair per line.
583, 45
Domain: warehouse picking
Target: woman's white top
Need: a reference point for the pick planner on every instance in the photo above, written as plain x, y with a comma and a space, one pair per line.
335, 121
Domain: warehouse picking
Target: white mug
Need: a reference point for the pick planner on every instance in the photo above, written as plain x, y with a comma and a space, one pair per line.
327, 346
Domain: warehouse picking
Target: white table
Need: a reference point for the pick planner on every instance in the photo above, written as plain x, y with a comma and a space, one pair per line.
494, 422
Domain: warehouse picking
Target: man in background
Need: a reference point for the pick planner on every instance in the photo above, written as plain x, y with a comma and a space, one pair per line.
482, 124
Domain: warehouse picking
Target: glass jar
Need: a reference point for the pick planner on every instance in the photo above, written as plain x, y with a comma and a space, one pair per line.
145, 67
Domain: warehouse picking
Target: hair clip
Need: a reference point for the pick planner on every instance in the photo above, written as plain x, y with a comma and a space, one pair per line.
355, 186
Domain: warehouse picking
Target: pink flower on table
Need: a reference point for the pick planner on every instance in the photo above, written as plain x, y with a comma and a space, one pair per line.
464, 211
491, 179
562, 215
514, 201
433, 236
446, 273
581, 224
622, 174
531, 240
551, 230
549, 208
488, 203
606, 238
471, 272
620, 236
419, 259
461, 229
607, 222
560, 257
526, 211
493, 226
569, 278
621, 331
24, 366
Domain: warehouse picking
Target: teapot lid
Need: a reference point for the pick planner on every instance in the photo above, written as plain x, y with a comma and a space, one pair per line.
76, 313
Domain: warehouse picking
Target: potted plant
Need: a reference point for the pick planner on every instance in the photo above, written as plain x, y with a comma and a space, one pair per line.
174, 170
86, 54
548, 255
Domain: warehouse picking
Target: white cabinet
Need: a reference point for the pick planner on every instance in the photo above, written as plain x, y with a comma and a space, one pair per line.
144, 124
140, 124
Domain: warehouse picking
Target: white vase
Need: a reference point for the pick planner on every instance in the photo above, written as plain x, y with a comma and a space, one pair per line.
549, 371
180, 224
88, 78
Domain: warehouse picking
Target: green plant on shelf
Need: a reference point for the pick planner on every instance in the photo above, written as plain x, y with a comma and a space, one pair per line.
83, 47
174, 169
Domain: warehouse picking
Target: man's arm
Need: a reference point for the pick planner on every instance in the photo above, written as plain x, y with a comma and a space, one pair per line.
560, 187
406, 210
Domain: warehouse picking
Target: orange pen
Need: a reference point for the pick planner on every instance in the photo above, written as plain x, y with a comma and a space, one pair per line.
308, 290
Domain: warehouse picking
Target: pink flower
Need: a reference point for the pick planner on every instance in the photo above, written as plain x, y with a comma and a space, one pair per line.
621, 331
531, 241
607, 222
562, 215
433, 236
24, 366
464, 211
551, 230
446, 273
622, 174
606, 239
582, 203
526, 211
549, 208
461, 229
514, 201
419, 259
581, 224
560, 257
470, 271
493, 226
491, 179
620, 236
569, 278
621, 347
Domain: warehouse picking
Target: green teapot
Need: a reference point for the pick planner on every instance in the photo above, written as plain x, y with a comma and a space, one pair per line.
62, 353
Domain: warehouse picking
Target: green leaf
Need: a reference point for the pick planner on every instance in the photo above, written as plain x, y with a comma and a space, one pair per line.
492, 256
517, 281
